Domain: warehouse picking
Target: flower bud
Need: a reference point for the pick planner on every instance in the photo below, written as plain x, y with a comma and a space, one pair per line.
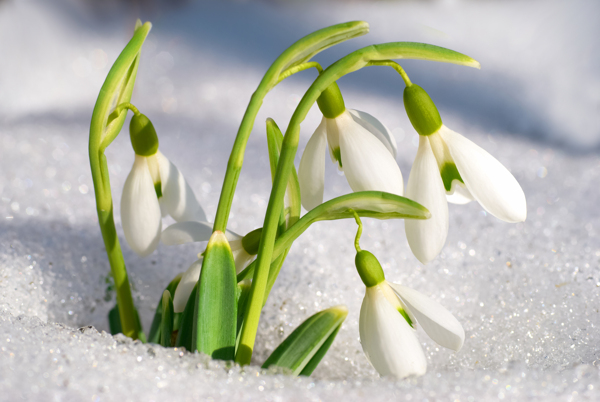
369, 268
421, 110
251, 241
143, 136
331, 103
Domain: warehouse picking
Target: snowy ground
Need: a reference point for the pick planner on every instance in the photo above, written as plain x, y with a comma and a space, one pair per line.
526, 294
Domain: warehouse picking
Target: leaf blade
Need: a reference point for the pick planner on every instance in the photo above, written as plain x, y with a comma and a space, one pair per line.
306, 341
215, 313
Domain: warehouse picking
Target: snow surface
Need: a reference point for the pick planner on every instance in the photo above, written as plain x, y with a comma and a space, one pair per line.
527, 294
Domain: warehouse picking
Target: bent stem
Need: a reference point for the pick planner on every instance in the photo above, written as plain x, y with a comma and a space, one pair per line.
352, 62
293, 57
104, 128
358, 231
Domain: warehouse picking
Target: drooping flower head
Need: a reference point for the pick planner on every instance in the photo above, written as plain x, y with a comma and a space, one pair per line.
388, 318
359, 144
450, 168
154, 188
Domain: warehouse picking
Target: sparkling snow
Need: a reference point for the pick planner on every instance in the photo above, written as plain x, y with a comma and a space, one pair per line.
527, 294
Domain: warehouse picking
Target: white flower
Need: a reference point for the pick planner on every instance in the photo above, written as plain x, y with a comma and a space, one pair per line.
154, 185
450, 168
195, 231
387, 338
361, 146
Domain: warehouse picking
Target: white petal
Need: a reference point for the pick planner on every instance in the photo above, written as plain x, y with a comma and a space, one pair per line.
140, 212
377, 128
458, 193
177, 195
388, 341
367, 163
186, 286
487, 180
311, 172
436, 321
241, 258
186, 232
427, 237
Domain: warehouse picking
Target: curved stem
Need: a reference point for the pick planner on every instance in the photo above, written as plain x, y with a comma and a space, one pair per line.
358, 231
293, 56
126, 105
104, 128
395, 66
352, 62
300, 67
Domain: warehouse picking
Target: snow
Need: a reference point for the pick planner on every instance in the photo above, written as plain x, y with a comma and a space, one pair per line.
527, 294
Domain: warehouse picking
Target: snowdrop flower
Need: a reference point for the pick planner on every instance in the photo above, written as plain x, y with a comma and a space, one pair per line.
388, 318
153, 188
243, 248
360, 145
450, 168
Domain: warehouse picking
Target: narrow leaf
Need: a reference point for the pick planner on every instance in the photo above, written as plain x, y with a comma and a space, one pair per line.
305, 343
316, 359
369, 204
117, 89
215, 315
274, 142
186, 328
154, 335
166, 326
305, 48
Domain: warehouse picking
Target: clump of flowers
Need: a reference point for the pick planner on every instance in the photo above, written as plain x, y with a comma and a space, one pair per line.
215, 305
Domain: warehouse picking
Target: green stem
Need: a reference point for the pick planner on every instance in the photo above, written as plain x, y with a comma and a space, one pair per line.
352, 62
368, 204
395, 66
126, 105
295, 55
358, 231
301, 67
104, 207
104, 128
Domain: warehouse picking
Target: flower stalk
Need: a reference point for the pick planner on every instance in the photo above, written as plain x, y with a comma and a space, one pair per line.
104, 128
352, 62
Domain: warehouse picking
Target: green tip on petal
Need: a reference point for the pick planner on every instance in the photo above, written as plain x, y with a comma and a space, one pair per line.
369, 268
449, 173
143, 135
421, 110
331, 103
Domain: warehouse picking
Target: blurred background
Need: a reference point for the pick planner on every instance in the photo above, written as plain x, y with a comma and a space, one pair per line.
539, 77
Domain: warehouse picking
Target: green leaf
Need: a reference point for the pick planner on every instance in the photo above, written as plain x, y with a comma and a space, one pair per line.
215, 315
369, 204
274, 142
316, 359
306, 346
422, 51
154, 335
305, 48
242, 298
117, 89
186, 329
166, 325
